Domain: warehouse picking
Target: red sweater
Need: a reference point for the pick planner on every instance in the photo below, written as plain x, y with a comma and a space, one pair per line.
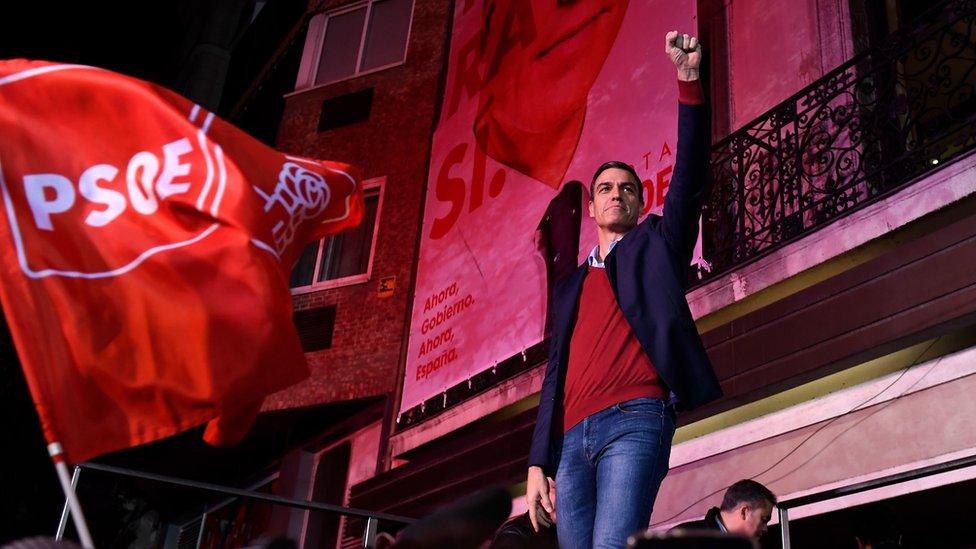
606, 362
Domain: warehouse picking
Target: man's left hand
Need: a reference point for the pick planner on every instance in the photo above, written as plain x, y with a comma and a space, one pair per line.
685, 52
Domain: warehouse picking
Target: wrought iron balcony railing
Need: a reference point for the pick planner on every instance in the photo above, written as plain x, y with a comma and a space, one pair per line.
867, 128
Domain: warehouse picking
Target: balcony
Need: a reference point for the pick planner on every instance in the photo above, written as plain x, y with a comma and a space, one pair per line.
872, 126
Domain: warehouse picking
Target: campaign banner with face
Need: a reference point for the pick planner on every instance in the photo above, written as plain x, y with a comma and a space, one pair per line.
537, 94
145, 247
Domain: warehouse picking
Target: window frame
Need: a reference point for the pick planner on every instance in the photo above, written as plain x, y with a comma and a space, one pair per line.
314, 40
377, 184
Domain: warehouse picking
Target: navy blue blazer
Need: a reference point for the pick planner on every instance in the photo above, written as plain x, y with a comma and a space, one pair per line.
648, 270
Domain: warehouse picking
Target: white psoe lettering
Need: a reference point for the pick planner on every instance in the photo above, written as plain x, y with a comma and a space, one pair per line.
51, 194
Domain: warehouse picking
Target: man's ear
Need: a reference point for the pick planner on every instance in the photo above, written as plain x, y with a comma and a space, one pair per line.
744, 511
590, 208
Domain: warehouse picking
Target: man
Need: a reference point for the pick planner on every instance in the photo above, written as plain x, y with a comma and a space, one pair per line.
624, 346
746, 509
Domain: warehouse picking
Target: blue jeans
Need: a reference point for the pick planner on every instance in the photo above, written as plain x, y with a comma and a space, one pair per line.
610, 468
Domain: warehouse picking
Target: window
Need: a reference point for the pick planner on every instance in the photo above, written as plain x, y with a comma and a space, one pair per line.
363, 38
345, 258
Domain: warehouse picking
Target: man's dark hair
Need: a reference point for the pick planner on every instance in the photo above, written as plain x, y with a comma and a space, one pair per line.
746, 491
622, 166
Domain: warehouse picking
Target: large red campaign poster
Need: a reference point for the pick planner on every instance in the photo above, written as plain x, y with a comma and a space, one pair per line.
537, 94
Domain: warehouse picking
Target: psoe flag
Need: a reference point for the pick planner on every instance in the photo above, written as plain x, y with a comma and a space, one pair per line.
145, 248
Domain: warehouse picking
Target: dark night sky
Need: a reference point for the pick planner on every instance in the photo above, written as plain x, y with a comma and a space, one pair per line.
147, 39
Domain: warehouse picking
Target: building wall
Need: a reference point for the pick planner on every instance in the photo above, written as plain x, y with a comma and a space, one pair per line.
911, 418
393, 143
916, 415
764, 52
306, 473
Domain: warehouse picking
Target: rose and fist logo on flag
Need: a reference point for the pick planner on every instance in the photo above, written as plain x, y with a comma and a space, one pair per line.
146, 247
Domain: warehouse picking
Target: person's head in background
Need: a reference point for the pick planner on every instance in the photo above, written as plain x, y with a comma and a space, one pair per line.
747, 508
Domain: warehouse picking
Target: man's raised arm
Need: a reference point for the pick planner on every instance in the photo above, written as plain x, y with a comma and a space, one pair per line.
686, 194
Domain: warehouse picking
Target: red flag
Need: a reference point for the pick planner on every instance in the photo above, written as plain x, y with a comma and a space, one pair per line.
146, 247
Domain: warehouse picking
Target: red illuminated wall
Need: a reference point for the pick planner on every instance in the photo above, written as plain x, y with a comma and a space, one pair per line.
764, 52
394, 142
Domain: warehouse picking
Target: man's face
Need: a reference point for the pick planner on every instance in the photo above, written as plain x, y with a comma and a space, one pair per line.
756, 519
616, 202
542, 57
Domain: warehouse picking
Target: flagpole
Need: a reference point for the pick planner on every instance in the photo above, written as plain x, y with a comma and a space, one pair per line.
77, 516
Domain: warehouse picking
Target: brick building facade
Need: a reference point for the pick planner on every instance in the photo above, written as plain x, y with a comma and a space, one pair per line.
391, 144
